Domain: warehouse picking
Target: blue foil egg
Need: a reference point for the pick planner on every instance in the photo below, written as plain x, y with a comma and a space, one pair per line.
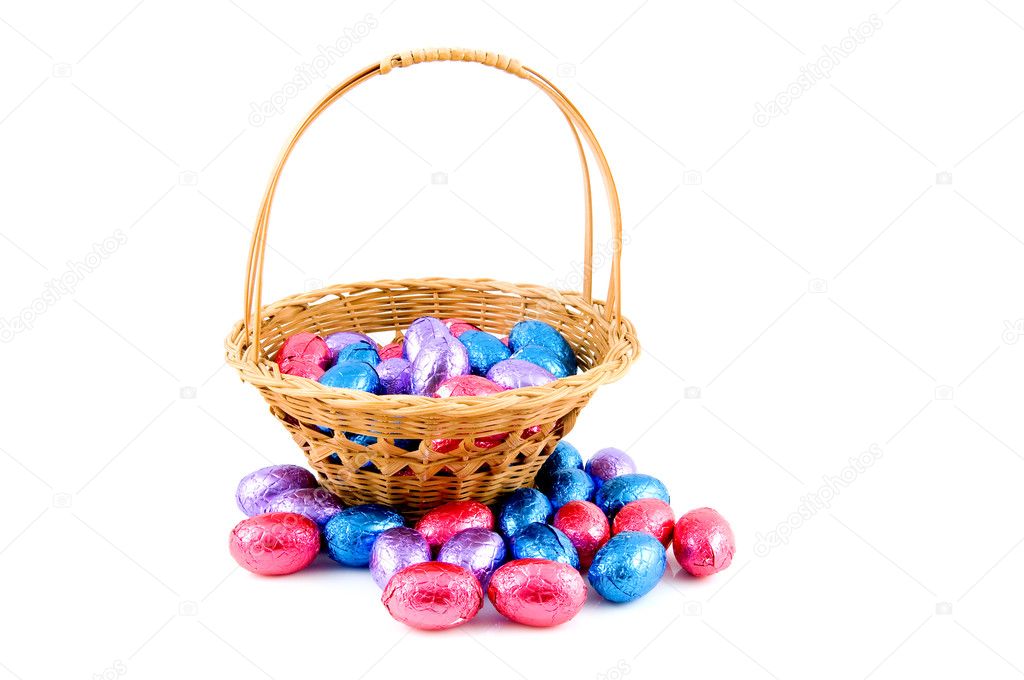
359, 351
352, 375
628, 566
532, 332
543, 357
361, 439
350, 533
544, 542
565, 456
524, 506
618, 491
571, 484
484, 351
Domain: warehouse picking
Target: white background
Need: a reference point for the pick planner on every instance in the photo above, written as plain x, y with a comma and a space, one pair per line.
805, 290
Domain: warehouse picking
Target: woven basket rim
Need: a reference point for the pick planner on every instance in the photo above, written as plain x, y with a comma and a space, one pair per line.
265, 373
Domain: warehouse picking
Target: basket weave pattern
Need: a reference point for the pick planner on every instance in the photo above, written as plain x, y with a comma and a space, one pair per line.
414, 481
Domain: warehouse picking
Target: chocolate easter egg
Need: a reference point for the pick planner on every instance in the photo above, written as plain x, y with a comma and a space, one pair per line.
628, 566
703, 542
514, 373
443, 522
257, 488
479, 550
585, 526
533, 332
350, 533
352, 375
484, 350
437, 361
433, 596
274, 544
538, 593
394, 550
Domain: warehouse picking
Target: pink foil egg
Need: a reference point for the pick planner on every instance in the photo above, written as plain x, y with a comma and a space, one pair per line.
307, 346
586, 526
391, 351
703, 543
433, 596
274, 544
443, 522
301, 368
649, 515
458, 326
538, 593
466, 386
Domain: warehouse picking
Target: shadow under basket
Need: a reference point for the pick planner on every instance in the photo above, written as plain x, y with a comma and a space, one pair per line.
369, 448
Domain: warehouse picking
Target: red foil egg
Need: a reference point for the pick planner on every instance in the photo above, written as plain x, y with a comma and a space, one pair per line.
648, 515
703, 543
538, 593
433, 596
308, 346
274, 544
441, 523
467, 386
586, 526
392, 351
458, 326
301, 367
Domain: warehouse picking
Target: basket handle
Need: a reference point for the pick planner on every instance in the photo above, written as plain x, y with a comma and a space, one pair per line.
257, 249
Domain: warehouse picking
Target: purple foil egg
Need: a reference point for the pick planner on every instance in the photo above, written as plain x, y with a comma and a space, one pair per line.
318, 505
337, 341
395, 376
437, 361
394, 550
608, 463
515, 373
257, 488
421, 332
479, 550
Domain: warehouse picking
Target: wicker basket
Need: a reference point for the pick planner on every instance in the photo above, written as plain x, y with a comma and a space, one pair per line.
534, 419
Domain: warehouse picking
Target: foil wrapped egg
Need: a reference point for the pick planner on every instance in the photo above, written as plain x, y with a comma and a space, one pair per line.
274, 544
533, 332
479, 550
395, 376
306, 346
619, 491
319, 505
350, 533
301, 368
422, 331
565, 456
544, 542
648, 515
484, 350
543, 357
458, 326
466, 386
257, 488
609, 462
525, 506
566, 485
703, 543
391, 351
337, 341
585, 526
513, 374
437, 361
359, 351
433, 596
628, 566
352, 375
394, 550
537, 592
443, 522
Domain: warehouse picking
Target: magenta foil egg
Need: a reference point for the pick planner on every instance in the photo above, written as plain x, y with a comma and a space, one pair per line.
443, 522
703, 542
479, 550
536, 592
437, 361
394, 550
274, 544
586, 526
433, 596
